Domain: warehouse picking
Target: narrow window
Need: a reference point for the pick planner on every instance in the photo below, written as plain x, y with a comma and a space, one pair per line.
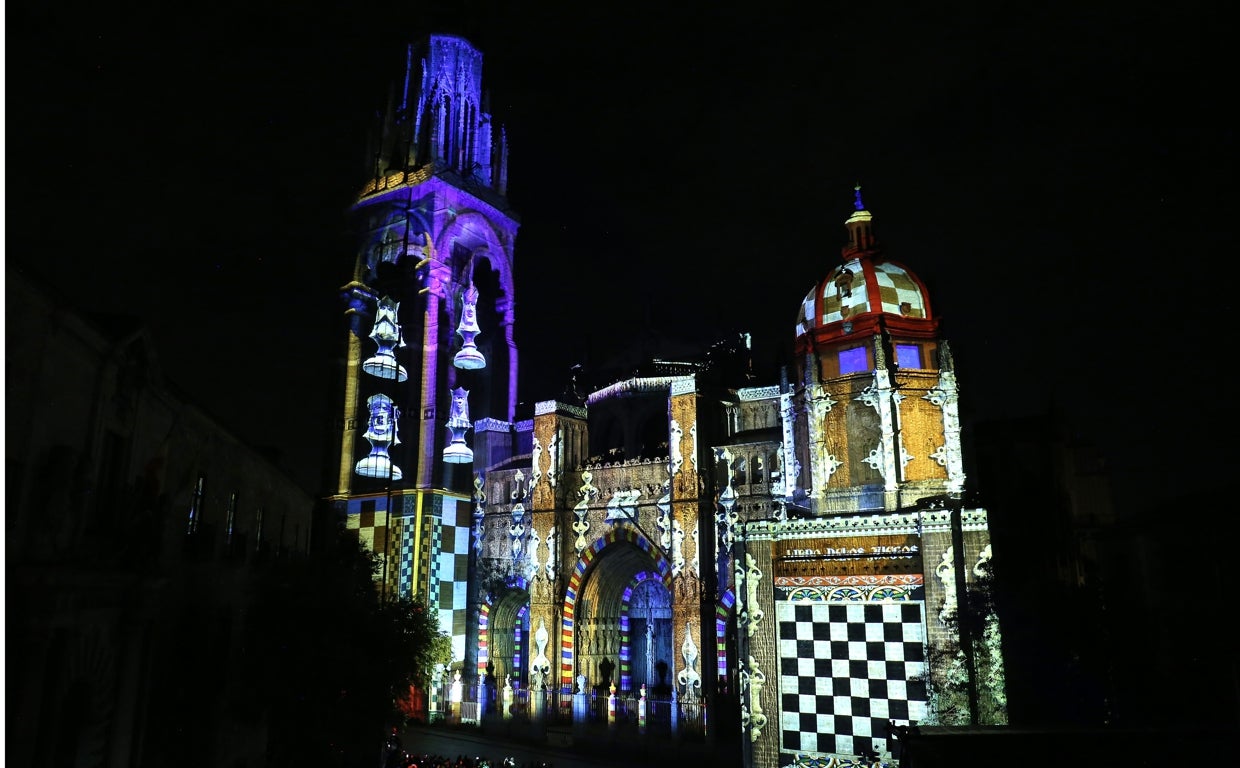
467, 151
446, 142
195, 505
231, 520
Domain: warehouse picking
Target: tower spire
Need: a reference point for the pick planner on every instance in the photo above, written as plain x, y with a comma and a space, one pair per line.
860, 234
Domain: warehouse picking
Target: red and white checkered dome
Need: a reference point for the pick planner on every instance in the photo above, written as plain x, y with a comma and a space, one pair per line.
867, 291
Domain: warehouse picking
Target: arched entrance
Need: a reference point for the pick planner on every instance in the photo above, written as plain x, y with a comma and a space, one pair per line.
649, 610
508, 635
623, 621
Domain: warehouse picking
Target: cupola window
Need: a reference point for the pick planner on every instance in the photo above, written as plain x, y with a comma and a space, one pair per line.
908, 356
853, 361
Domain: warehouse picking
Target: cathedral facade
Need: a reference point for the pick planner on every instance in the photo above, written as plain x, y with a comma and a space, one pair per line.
800, 555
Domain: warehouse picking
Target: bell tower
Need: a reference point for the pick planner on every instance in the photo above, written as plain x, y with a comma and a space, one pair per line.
429, 309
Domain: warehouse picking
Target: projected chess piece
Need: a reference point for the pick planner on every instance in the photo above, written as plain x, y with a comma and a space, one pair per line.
387, 335
457, 451
469, 358
381, 431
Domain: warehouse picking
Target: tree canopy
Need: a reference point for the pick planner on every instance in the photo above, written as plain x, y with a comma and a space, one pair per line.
326, 658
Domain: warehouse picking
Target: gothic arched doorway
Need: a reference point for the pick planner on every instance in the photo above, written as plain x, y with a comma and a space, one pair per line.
508, 635
623, 621
649, 611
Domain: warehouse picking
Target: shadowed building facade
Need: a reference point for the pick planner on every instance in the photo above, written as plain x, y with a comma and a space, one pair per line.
798, 555
137, 528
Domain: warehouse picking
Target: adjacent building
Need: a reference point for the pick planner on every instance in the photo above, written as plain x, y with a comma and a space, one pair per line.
135, 525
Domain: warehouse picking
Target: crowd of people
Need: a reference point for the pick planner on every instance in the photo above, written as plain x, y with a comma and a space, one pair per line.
407, 760
395, 756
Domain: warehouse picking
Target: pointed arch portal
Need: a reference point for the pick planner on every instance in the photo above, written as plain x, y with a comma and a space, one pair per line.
505, 639
621, 616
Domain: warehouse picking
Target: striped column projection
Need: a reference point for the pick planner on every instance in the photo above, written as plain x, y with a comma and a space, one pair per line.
726, 602
484, 620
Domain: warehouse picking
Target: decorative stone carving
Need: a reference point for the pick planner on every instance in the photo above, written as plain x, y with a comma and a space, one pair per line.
875, 460
753, 718
753, 612
693, 561
674, 435
694, 435
623, 505
585, 494
983, 568
532, 566
517, 527
678, 547
688, 678
664, 521
946, 574
479, 501
540, 665
552, 553
727, 517
536, 458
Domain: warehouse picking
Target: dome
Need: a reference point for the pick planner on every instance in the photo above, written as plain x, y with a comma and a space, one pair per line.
866, 293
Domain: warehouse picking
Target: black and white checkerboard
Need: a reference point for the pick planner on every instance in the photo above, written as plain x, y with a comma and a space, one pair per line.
846, 670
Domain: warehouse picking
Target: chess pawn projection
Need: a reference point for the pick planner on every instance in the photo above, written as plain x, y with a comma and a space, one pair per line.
387, 335
469, 358
381, 431
457, 452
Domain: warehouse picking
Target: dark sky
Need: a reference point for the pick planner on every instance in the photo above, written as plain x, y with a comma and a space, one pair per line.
1058, 176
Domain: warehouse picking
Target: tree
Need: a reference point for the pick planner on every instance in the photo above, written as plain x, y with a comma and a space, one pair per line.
325, 660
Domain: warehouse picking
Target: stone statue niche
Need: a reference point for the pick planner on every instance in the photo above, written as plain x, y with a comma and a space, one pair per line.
605, 670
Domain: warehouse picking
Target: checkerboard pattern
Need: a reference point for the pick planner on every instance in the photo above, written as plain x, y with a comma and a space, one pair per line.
449, 567
368, 525
846, 669
443, 559
404, 584
835, 305
431, 545
899, 293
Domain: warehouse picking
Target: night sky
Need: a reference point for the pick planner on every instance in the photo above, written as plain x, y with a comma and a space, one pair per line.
1060, 179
